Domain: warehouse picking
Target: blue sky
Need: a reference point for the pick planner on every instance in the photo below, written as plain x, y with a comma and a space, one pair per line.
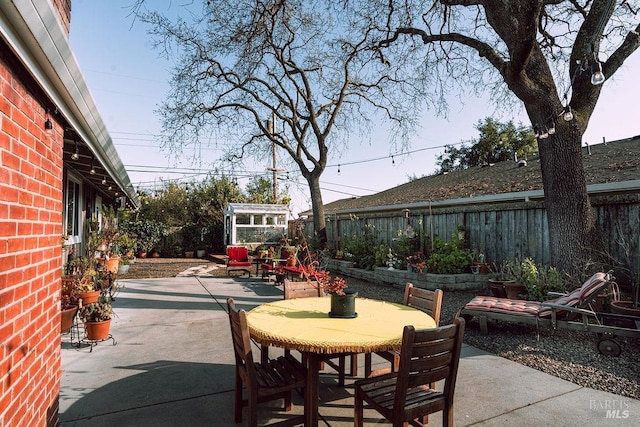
128, 79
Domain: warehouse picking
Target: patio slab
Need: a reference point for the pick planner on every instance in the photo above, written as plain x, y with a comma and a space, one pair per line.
173, 366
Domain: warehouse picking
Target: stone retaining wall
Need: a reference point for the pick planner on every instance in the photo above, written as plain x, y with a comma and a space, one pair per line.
446, 282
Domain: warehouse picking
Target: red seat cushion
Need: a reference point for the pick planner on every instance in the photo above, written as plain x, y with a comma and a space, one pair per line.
535, 308
505, 305
239, 264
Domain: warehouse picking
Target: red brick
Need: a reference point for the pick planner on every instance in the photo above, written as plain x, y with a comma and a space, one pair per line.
9, 194
9, 160
7, 228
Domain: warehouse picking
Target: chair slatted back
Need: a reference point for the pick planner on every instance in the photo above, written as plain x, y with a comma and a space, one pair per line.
428, 301
427, 356
241, 344
302, 289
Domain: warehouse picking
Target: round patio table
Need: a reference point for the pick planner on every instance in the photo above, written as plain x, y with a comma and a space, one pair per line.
304, 324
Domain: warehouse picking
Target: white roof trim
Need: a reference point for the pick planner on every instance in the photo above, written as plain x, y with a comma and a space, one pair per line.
522, 196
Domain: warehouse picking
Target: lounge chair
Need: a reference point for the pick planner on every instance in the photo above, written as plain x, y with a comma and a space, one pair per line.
535, 312
570, 311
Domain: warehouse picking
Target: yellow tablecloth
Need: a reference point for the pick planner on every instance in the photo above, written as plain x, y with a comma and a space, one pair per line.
304, 324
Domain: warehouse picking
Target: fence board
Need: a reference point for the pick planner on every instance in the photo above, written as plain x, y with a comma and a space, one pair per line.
498, 232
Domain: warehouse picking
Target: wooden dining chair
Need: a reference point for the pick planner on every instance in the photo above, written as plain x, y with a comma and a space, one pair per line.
406, 396
428, 301
306, 289
267, 381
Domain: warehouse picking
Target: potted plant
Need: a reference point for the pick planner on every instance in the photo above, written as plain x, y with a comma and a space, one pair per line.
125, 264
87, 290
106, 238
343, 301
630, 306
502, 274
416, 262
479, 266
526, 275
68, 310
550, 279
97, 318
148, 234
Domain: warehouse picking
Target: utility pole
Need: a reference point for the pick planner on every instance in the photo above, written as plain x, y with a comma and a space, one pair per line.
271, 124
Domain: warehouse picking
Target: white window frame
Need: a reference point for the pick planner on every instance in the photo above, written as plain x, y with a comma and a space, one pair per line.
73, 239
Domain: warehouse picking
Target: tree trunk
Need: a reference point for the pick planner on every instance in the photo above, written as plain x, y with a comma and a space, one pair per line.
317, 206
571, 220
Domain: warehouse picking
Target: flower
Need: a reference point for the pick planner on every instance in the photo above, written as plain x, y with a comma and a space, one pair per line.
335, 286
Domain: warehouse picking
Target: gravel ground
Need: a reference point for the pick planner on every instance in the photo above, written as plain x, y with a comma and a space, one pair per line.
569, 355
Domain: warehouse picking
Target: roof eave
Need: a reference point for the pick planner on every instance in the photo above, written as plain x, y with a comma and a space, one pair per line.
521, 196
32, 30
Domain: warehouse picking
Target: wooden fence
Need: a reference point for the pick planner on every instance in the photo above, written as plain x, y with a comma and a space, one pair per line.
505, 231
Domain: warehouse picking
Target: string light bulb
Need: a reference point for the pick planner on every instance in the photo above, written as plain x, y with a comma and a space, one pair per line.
567, 115
338, 169
552, 128
76, 154
104, 180
597, 76
92, 171
544, 134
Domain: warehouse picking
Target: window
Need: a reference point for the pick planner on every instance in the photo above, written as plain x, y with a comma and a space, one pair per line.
73, 207
243, 219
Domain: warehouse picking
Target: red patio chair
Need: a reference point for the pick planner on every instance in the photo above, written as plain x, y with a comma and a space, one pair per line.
238, 259
269, 267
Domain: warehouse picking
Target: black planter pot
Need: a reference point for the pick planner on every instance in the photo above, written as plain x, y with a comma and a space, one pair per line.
344, 306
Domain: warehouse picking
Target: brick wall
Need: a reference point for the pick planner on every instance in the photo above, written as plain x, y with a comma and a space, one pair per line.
64, 13
30, 252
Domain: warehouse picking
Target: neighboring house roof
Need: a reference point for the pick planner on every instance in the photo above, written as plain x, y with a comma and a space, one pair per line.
611, 167
33, 32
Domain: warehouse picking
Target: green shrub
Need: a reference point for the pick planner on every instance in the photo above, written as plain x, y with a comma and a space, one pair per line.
362, 247
448, 257
381, 255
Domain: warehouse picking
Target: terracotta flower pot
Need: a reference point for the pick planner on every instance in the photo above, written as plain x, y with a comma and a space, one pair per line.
88, 297
112, 264
97, 330
625, 307
66, 318
514, 290
497, 288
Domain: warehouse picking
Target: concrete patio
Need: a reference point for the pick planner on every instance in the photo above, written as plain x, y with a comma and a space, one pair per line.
173, 366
